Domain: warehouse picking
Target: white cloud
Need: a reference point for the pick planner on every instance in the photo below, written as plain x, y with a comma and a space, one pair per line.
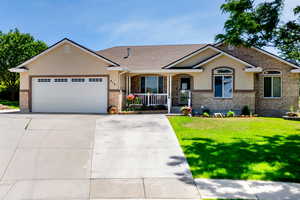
181, 29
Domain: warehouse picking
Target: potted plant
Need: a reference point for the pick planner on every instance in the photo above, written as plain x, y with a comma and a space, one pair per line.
186, 110
113, 110
130, 99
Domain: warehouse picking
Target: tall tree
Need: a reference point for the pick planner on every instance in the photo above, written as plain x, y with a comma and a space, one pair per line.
288, 38
16, 48
259, 25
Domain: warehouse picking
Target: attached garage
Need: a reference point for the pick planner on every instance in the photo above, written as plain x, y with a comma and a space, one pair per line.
69, 94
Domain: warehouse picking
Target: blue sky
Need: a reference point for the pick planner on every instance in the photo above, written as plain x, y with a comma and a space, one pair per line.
99, 24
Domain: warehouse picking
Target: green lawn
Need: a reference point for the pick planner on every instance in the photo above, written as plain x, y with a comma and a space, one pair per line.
10, 104
240, 148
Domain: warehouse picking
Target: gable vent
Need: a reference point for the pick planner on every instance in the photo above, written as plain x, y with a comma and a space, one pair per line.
67, 48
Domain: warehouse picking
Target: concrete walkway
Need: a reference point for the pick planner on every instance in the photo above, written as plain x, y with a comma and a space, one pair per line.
55, 157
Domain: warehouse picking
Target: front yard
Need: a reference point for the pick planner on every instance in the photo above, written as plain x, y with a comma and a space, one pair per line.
240, 148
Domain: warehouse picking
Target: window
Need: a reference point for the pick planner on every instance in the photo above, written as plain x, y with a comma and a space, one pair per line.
185, 84
152, 84
44, 80
60, 80
95, 79
272, 84
223, 82
77, 80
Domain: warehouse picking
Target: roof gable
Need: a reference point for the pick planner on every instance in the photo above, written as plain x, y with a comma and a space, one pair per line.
61, 42
218, 51
268, 54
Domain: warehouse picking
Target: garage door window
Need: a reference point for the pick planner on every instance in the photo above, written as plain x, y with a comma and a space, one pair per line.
60, 80
78, 80
95, 79
44, 80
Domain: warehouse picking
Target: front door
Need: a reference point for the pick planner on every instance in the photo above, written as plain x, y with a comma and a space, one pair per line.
184, 89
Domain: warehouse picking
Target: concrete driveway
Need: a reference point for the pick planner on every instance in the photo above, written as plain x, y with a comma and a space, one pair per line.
91, 157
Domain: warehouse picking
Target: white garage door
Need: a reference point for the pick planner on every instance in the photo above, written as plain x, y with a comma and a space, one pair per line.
65, 94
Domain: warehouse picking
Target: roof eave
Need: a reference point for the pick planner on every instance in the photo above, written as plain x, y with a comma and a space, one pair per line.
295, 70
18, 70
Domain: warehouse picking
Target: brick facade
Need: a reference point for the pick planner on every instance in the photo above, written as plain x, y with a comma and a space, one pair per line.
24, 100
114, 98
206, 99
290, 82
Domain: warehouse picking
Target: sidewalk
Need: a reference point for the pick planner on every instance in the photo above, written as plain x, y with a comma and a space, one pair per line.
9, 110
236, 189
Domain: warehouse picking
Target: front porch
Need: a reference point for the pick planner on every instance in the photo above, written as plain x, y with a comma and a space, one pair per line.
151, 90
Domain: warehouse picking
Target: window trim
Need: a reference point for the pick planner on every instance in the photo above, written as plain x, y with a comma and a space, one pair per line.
222, 75
272, 76
157, 84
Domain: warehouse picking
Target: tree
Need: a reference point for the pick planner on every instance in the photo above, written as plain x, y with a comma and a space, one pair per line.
16, 48
260, 26
288, 38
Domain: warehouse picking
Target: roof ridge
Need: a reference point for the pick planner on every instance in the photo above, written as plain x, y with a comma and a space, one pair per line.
154, 45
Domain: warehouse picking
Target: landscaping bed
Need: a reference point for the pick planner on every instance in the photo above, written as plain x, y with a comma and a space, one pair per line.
144, 112
240, 148
5, 104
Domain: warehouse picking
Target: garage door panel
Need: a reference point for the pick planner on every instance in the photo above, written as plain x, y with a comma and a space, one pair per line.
88, 96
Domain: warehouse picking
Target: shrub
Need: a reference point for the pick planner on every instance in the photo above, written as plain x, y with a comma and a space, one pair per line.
206, 110
230, 113
292, 114
137, 100
245, 110
205, 114
186, 110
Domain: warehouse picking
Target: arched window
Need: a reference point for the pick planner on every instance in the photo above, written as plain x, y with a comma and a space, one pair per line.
223, 82
272, 84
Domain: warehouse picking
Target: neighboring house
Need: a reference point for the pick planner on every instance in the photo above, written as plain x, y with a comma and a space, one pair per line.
68, 77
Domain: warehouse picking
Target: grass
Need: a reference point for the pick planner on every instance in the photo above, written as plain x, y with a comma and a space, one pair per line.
10, 104
240, 148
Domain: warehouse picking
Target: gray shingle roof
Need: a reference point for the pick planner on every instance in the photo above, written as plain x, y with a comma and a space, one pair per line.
148, 57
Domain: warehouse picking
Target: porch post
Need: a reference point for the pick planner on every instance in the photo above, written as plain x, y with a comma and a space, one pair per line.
126, 85
168, 93
190, 99
129, 84
169, 83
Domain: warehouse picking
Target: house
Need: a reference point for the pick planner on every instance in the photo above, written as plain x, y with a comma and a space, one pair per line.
68, 77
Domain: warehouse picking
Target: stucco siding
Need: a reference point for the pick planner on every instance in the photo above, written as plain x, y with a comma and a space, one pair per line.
242, 80
67, 60
197, 58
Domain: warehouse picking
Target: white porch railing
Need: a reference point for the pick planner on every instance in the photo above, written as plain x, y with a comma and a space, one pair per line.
152, 99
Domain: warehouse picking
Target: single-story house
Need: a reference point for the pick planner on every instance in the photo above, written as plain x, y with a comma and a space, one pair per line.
68, 77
